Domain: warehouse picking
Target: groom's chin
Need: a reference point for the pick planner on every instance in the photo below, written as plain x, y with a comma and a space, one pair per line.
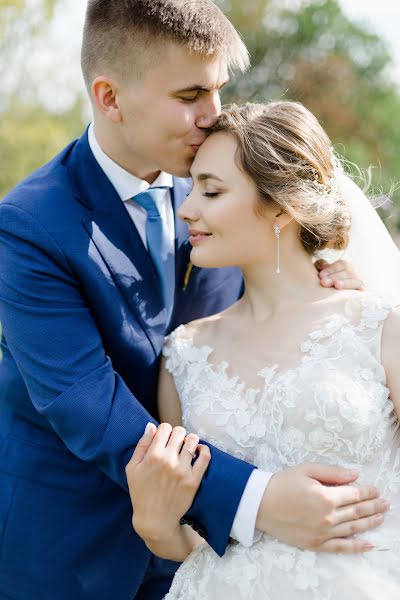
179, 168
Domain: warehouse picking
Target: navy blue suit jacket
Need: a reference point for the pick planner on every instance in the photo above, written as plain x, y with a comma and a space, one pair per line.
83, 327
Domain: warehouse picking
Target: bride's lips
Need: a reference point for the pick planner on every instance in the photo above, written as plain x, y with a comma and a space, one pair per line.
197, 236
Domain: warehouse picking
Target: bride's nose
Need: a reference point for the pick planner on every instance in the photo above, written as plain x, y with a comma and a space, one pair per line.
188, 211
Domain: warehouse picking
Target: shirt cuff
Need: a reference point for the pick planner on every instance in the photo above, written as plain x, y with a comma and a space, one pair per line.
244, 525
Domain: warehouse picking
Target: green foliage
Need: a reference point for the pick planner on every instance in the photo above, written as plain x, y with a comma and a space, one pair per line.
313, 54
19, 17
30, 136
336, 68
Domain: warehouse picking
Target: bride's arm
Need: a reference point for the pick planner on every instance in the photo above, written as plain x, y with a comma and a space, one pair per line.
390, 356
180, 540
169, 405
169, 408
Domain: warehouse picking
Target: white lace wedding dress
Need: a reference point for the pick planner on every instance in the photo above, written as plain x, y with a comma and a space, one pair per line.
332, 406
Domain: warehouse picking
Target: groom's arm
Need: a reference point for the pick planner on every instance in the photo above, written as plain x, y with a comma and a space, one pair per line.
296, 507
54, 340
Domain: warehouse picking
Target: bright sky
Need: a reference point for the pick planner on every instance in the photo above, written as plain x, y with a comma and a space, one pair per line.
56, 61
383, 18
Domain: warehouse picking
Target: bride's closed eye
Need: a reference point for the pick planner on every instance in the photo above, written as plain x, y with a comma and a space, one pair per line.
211, 194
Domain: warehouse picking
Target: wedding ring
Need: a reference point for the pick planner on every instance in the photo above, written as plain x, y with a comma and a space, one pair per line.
190, 452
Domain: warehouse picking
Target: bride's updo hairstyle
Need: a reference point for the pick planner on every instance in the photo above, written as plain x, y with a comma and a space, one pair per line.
289, 157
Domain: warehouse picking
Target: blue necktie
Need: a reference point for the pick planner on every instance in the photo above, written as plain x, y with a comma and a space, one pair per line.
160, 248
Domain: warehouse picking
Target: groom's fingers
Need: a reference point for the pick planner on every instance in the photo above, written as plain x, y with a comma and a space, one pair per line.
356, 527
339, 275
342, 281
340, 266
329, 474
361, 510
345, 495
351, 283
343, 546
321, 264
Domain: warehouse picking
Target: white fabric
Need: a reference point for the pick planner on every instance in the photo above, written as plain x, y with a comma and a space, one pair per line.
329, 404
244, 526
127, 186
371, 250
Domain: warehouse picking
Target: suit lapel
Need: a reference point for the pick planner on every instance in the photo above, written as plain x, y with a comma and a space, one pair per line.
118, 241
181, 189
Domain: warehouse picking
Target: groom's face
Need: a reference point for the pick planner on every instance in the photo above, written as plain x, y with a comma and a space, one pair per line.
166, 113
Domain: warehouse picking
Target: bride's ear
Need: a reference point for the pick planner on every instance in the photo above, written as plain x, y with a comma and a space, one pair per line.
283, 219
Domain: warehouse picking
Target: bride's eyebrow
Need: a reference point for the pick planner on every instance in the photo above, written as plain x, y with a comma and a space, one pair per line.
204, 176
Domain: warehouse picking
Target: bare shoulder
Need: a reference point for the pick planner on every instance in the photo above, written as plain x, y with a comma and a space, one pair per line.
203, 331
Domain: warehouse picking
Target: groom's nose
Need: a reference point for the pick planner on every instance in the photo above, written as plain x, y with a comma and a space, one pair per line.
209, 110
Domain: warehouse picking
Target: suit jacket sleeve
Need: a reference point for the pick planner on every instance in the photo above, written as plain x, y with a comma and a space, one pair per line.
54, 340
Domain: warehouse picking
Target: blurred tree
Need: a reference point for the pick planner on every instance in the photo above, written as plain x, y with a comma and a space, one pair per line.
304, 50
29, 134
21, 21
308, 50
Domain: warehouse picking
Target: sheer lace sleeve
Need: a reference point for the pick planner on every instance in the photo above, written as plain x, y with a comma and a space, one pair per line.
173, 351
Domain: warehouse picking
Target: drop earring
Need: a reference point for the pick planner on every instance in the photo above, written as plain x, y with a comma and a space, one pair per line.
277, 231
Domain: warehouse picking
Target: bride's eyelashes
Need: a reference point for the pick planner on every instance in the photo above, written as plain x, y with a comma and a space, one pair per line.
211, 194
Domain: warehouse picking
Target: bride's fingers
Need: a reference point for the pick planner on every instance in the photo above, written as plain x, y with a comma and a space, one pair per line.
161, 438
367, 508
176, 440
189, 449
141, 447
202, 462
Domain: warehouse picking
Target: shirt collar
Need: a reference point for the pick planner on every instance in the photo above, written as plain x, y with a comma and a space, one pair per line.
126, 184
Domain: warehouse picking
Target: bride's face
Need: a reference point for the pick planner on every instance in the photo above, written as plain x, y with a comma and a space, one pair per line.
221, 209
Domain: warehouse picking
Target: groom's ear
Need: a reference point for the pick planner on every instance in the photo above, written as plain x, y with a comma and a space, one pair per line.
105, 98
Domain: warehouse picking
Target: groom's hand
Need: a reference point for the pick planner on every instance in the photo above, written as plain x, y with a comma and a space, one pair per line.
298, 509
339, 275
163, 480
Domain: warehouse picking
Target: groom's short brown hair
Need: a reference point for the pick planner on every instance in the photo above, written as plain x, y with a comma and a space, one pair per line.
123, 36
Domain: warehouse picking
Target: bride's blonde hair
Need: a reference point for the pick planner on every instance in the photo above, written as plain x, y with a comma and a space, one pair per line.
289, 157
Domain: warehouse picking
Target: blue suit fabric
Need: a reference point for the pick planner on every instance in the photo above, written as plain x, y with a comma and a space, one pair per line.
83, 324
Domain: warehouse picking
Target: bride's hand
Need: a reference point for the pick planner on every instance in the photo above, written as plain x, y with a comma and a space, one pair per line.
298, 509
339, 275
163, 481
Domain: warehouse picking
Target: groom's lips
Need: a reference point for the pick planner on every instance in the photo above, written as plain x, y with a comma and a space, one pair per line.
195, 145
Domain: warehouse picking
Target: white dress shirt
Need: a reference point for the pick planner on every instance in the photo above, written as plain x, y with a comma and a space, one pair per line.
127, 186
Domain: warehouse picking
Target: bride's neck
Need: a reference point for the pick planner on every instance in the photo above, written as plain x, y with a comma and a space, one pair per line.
268, 293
